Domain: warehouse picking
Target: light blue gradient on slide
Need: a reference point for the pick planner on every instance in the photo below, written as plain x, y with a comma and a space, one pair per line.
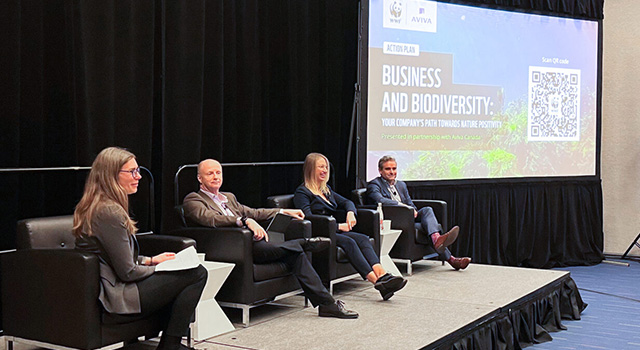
493, 47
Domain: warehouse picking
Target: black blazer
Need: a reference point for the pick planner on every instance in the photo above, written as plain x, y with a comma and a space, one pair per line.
338, 206
378, 192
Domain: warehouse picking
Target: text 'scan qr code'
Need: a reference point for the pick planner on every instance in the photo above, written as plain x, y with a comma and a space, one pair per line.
554, 104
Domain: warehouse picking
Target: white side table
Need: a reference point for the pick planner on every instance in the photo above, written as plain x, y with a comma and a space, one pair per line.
210, 319
387, 239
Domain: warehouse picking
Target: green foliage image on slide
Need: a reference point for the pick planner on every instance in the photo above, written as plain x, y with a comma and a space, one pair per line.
507, 152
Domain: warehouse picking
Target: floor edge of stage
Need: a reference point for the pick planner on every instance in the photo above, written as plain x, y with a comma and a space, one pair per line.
483, 307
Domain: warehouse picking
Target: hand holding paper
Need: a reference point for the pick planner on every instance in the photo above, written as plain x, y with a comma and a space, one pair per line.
184, 260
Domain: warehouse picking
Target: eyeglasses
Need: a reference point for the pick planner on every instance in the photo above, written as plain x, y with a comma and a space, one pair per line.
133, 172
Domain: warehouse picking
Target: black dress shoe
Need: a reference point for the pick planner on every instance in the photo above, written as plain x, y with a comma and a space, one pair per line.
316, 244
337, 310
388, 284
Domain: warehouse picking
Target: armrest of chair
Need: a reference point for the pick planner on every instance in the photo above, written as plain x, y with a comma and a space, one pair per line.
152, 244
439, 209
298, 229
47, 293
224, 244
401, 216
369, 224
323, 225
325, 261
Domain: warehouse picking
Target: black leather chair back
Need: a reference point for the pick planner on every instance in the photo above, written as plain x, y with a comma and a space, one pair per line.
280, 201
180, 211
46, 233
358, 196
184, 182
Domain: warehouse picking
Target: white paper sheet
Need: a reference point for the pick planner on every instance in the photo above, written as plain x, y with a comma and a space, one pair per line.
185, 259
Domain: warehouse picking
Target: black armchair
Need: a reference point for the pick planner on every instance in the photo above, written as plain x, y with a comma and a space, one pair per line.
50, 291
249, 284
411, 246
333, 266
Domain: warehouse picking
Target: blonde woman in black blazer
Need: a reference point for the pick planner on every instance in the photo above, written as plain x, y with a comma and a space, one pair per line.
314, 196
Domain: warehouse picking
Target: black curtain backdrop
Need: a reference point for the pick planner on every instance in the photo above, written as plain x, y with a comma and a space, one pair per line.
543, 224
240, 81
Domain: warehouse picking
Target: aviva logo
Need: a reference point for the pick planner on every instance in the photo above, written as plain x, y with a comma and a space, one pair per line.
424, 20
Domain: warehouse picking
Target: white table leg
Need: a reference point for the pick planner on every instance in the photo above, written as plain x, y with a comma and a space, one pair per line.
387, 240
210, 319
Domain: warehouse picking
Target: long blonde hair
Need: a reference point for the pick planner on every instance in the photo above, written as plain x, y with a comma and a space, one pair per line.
102, 187
309, 170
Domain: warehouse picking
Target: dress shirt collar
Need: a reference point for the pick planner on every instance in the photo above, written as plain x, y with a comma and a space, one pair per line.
220, 200
395, 194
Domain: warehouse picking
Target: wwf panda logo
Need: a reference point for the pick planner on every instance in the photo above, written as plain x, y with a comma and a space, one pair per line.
396, 9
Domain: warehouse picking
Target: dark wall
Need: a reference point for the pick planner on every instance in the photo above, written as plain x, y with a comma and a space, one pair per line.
235, 80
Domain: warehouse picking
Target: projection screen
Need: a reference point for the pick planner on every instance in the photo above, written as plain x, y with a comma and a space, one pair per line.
462, 92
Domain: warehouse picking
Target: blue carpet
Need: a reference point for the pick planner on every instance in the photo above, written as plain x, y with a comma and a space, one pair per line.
612, 319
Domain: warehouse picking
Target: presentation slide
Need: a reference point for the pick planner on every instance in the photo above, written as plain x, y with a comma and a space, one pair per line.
463, 92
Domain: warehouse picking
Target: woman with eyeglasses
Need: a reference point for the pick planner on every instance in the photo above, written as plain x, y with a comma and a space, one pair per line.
314, 196
129, 284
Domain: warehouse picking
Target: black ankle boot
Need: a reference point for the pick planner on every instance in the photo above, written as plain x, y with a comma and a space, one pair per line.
388, 284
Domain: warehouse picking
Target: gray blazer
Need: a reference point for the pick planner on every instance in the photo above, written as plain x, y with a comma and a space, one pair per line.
200, 209
119, 261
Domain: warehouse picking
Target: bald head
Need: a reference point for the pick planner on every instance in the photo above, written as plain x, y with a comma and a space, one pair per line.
210, 175
207, 162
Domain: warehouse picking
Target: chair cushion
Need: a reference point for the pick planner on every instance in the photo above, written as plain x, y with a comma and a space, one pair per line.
262, 272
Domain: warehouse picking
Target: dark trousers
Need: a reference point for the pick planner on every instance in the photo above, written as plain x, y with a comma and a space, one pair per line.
427, 223
359, 251
292, 254
179, 291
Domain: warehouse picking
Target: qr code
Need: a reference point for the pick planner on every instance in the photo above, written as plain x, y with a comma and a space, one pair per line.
554, 104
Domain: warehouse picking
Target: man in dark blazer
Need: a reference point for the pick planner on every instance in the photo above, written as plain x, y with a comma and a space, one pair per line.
212, 208
386, 189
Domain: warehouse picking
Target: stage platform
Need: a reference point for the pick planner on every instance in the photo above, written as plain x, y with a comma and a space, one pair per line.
482, 307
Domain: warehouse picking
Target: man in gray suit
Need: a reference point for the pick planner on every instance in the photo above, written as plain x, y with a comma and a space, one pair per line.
212, 208
386, 189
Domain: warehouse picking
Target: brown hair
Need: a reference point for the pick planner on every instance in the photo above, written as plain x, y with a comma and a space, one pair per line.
101, 188
309, 170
